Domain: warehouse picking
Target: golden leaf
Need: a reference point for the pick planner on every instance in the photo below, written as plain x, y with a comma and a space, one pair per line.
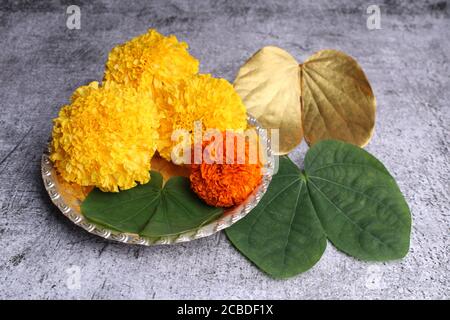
338, 102
269, 85
328, 96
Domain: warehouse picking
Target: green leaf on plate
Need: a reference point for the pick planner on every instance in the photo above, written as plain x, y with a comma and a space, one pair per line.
179, 210
151, 210
282, 235
344, 194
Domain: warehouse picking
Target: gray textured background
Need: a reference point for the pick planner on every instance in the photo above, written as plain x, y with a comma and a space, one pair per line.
42, 62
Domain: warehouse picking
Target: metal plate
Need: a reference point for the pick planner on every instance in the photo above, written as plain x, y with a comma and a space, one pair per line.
68, 197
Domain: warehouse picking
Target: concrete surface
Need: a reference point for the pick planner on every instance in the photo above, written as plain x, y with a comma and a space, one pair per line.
42, 62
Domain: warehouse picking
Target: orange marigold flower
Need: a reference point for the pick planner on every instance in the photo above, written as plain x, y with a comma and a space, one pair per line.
224, 184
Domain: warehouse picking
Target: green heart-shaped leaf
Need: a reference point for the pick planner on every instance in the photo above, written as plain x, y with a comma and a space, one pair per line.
344, 194
359, 204
179, 210
150, 209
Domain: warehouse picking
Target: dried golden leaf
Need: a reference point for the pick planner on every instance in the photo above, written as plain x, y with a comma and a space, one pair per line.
269, 85
338, 102
326, 97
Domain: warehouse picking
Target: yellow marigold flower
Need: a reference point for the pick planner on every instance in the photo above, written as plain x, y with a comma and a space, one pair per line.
106, 137
151, 60
202, 97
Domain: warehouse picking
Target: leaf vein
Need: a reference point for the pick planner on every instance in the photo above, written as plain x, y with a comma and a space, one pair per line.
347, 217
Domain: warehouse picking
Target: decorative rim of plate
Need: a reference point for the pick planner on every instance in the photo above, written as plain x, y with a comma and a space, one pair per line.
229, 217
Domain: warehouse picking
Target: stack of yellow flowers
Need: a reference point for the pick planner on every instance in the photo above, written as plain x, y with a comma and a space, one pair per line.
108, 134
